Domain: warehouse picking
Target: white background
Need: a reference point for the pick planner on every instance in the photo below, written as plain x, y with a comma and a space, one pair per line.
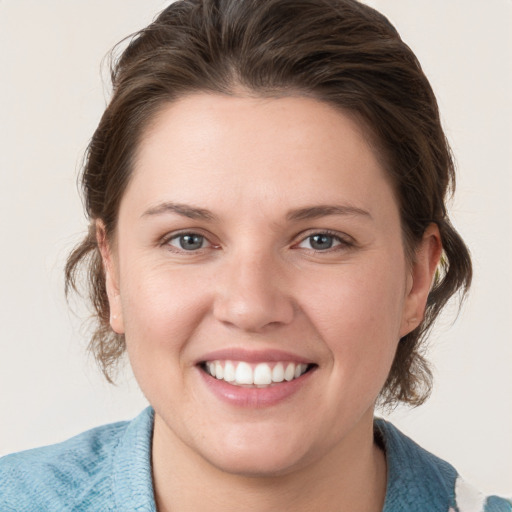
51, 98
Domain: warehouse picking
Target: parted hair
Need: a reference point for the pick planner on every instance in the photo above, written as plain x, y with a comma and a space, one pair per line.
341, 52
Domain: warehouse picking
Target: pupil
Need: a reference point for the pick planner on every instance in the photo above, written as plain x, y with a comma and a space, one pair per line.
321, 241
190, 242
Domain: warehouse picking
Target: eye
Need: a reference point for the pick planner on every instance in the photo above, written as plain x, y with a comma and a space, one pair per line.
322, 242
188, 241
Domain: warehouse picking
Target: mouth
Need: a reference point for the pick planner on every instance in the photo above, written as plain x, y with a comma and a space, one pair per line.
255, 375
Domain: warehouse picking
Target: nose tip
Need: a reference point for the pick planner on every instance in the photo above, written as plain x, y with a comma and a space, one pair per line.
249, 315
254, 297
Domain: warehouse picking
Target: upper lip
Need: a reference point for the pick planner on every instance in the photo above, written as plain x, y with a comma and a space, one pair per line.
253, 356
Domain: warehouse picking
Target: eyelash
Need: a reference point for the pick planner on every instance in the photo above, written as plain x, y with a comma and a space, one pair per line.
340, 242
166, 241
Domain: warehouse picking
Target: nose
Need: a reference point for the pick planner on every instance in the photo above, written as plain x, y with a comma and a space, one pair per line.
253, 295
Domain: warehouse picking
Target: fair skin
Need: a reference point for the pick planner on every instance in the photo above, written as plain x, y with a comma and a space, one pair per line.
265, 232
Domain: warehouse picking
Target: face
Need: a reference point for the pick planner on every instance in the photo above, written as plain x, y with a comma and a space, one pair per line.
259, 276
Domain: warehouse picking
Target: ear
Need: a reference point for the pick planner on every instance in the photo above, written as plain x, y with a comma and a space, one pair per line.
419, 281
111, 278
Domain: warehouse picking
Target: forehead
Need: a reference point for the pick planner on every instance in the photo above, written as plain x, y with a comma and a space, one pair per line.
208, 147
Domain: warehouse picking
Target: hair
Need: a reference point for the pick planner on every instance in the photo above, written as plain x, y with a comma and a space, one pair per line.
340, 52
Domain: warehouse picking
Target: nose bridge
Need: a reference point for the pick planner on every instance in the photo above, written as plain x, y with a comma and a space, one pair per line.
253, 292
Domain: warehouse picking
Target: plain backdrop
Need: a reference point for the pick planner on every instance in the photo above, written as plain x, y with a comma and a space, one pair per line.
51, 97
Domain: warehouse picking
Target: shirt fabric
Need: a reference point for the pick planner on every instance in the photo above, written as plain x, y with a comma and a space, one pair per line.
109, 469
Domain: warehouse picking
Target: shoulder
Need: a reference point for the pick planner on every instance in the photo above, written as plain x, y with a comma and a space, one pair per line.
420, 481
468, 499
70, 475
58, 475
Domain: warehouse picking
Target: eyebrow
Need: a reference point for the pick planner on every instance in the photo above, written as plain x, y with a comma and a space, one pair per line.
309, 213
185, 210
315, 212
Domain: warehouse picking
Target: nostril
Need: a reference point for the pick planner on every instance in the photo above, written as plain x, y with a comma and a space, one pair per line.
253, 310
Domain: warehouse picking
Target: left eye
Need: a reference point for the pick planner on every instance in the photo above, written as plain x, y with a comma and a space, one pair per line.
320, 242
188, 241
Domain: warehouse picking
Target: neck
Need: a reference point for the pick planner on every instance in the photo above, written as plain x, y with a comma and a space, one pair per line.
352, 477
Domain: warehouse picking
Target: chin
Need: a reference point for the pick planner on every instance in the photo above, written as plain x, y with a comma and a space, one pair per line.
257, 456
249, 465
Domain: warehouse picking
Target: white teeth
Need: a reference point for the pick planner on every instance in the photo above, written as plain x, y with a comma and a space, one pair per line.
243, 374
219, 370
289, 373
298, 371
262, 374
278, 373
229, 371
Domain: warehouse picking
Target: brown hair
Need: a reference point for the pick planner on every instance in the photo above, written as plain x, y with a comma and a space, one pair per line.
337, 51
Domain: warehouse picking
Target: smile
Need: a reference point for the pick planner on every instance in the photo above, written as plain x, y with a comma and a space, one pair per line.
263, 374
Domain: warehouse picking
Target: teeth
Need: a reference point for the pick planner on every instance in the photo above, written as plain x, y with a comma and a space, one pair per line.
219, 371
278, 373
229, 371
243, 374
262, 374
289, 373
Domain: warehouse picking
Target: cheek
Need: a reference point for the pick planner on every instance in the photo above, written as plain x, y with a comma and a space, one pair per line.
162, 310
358, 314
364, 299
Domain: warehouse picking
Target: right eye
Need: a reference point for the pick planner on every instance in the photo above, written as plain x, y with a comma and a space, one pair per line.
321, 241
188, 241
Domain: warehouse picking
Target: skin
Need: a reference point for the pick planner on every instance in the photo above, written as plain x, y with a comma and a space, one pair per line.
258, 284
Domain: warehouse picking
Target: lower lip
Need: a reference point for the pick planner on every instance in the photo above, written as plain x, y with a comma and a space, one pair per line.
254, 397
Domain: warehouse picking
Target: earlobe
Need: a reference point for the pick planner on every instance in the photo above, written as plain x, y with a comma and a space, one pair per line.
111, 279
427, 256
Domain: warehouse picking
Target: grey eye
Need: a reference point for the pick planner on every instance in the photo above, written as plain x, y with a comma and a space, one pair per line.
321, 241
188, 241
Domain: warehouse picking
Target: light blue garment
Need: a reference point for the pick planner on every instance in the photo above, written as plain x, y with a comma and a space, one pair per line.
104, 469
109, 469
421, 482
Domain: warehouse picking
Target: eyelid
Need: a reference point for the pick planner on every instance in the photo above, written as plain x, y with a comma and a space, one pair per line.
164, 240
343, 239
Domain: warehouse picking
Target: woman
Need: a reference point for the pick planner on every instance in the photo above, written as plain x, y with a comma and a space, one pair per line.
270, 245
